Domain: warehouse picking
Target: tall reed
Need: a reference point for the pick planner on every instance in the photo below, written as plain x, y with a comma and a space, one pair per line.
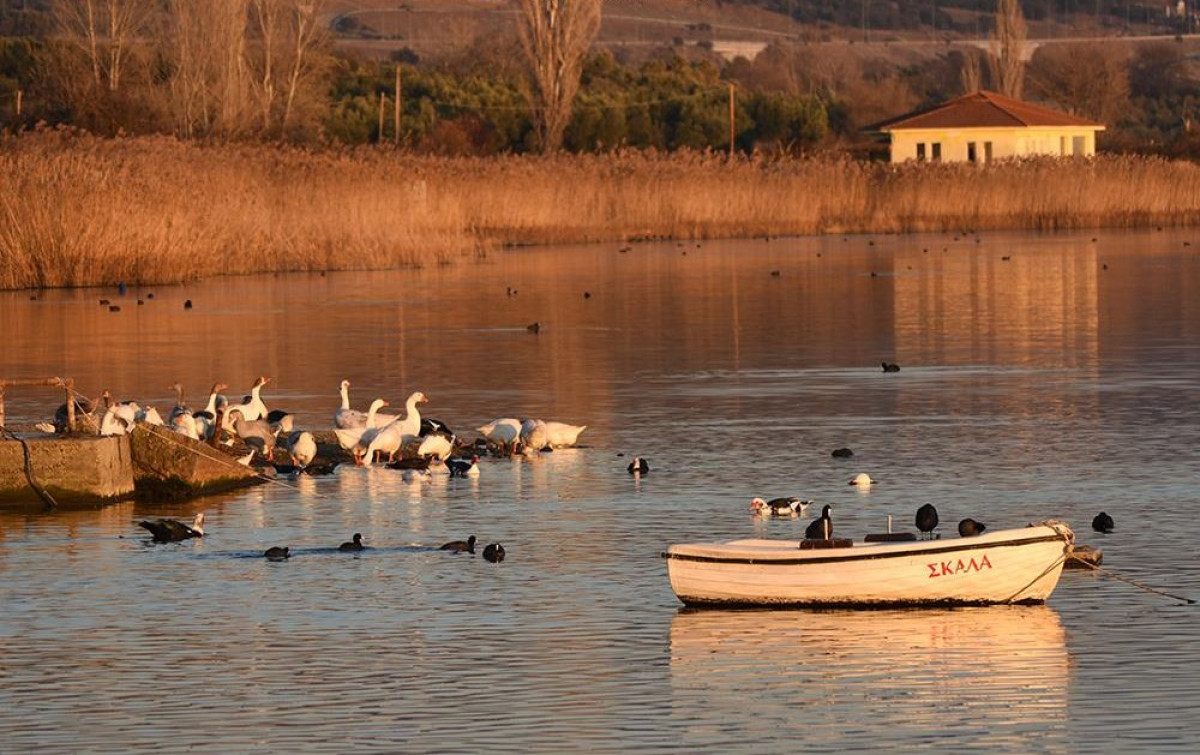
77, 210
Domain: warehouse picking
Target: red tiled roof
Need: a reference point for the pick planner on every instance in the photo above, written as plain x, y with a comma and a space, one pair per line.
982, 110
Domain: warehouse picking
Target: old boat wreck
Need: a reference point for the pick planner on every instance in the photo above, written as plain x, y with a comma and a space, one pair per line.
77, 468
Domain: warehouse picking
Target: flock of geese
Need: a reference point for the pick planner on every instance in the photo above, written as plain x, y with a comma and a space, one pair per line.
407, 441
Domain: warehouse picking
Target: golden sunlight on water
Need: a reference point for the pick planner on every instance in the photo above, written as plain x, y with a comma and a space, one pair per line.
1042, 376
890, 671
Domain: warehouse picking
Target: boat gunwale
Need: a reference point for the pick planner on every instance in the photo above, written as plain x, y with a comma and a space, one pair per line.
876, 551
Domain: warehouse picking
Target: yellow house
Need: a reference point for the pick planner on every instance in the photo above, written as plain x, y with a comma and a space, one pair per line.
985, 126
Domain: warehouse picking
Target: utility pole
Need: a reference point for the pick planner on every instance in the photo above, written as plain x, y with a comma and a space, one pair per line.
382, 108
731, 120
397, 116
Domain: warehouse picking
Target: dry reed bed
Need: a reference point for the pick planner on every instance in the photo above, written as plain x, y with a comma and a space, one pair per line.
77, 210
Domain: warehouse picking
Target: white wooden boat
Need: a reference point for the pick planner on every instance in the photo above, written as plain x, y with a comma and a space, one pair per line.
1008, 566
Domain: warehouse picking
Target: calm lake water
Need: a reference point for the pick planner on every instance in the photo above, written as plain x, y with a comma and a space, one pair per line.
1042, 376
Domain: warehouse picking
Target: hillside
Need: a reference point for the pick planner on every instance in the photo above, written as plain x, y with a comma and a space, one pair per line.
433, 28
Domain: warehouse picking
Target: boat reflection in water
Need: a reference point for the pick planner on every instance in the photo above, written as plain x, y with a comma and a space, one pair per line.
992, 677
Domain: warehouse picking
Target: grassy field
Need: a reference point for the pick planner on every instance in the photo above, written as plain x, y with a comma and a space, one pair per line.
76, 210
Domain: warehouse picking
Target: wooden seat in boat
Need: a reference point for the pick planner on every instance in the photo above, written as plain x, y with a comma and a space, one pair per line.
889, 537
837, 542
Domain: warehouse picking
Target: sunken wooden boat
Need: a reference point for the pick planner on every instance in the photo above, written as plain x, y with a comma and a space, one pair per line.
1003, 567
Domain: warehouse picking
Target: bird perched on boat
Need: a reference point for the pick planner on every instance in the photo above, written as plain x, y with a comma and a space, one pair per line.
460, 546
927, 519
970, 528
463, 467
356, 544
494, 552
206, 418
638, 466
1103, 523
172, 531
890, 367
842, 453
788, 506
252, 406
84, 408
822, 528
862, 480
281, 421
257, 434
276, 553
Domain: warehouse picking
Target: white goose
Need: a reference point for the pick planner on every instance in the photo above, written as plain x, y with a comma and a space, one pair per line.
303, 448
206, 419
562, 435
503, 432
534, 435
349, 437
253, 408
389, 439
436, 445
346, 417
112, 424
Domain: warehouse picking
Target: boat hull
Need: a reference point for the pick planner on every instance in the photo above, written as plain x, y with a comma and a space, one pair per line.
1009, 566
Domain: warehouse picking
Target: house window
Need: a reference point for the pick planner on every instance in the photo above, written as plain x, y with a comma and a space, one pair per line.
920, 151
987, 152
1078, 145
937, 151
972, 155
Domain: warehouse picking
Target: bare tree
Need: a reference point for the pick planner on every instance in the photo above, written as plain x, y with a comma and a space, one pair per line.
1090, 80
1007, 45
556, 35
104, 31
285, 34
972, 71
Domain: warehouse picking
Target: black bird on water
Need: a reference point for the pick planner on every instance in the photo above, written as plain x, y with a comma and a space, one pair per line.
171, 531
1103, 523
275, 553
822, 528
355, 545
927, 519
494, 553
970, 528
638, 466
460, 546
842, 453
890, 367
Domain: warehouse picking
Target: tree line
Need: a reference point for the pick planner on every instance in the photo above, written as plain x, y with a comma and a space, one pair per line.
266, 70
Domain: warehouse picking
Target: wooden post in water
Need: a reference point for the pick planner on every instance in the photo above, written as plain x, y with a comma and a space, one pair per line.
70, 386
20, 94
396, 126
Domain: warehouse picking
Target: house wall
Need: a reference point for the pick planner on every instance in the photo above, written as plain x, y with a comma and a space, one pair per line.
954, 144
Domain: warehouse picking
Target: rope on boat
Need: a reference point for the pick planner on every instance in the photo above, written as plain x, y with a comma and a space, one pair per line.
1033, 581
44, 494
1139, 585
